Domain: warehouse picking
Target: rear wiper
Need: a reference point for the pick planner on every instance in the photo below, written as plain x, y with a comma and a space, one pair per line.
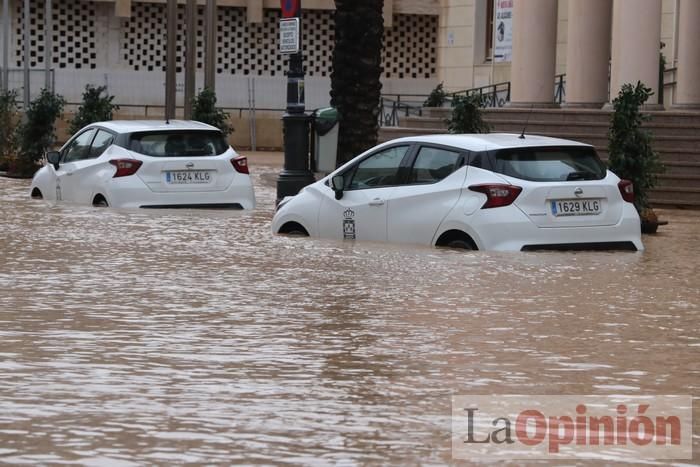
581, 176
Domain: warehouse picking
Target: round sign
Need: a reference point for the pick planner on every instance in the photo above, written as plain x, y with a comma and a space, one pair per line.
290, 8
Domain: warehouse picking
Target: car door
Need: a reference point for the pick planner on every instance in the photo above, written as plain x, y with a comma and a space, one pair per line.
86, 181
74, 161
361, 213
431, 190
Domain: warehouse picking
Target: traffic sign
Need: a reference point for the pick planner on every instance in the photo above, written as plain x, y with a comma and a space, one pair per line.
289, 36
290, 8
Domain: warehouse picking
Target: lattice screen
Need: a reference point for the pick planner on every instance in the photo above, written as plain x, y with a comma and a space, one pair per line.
251, 48
409, 47
73, 36
242, 48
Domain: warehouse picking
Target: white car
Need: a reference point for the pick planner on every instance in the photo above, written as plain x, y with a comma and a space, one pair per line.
147, 164
484, 192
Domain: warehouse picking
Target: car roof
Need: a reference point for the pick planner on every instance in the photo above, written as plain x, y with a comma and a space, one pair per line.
132, 126
490, 141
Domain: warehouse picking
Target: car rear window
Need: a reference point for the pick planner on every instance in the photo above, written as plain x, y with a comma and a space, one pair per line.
550, 164
190, 143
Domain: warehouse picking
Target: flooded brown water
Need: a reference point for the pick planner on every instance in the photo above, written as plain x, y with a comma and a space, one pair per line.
168, 337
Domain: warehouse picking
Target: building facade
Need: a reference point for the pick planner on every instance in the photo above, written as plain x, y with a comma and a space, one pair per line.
121, 44
598, 44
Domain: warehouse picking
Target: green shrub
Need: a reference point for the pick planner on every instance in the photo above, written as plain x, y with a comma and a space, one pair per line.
436, 98
466, 115
630, 153
96, 107
8, 126
204, 110
37, 133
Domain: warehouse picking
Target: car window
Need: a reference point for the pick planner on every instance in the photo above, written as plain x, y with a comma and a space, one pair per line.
380, 169
79, 148
180, 143
550, 164
101, 142
432, 165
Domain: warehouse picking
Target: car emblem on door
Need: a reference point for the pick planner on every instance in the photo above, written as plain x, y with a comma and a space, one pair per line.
349, 225
578, 191
189, 165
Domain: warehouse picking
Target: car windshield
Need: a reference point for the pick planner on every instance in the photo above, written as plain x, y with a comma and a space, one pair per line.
189, 143
550, 164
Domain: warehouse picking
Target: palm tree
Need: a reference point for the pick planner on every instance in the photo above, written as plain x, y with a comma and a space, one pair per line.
357, 68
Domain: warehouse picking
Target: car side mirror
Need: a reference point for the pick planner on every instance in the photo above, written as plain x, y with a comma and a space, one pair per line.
53, 157
338, 184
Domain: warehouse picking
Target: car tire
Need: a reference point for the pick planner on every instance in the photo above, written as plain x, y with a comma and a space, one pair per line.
297, 233
100, 202
459, 244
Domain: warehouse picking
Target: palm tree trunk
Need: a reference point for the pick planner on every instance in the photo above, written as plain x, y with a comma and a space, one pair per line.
357, 68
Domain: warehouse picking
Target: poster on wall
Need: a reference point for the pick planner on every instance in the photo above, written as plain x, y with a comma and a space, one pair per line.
503, 31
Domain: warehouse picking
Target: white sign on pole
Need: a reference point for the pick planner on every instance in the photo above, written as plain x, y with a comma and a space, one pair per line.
289, 36
503, 31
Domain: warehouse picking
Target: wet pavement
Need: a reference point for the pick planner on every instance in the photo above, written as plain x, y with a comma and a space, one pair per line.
168, 337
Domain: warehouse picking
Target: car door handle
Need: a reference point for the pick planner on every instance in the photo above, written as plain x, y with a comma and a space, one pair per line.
377, 202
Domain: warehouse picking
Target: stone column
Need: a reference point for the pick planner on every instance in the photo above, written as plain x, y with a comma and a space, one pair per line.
534, 53
588, 53
688, 77
636, 42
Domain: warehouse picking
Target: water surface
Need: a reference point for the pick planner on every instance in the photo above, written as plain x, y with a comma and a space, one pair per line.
161, 337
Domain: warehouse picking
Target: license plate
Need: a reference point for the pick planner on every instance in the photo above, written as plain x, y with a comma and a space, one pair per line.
182, 177
576, 207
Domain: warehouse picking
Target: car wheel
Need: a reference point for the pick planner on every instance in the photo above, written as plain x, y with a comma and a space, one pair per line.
293, 229
297, 233
459, 244
100, 202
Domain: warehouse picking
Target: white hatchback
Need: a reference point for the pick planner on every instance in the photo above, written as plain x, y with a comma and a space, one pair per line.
486, 191
147, 164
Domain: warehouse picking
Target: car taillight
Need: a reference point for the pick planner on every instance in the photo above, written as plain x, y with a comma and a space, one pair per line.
125, 167
497, 195
626, 190
240, 163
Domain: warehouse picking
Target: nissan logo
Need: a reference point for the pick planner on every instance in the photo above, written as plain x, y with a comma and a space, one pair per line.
189, 165
578, 191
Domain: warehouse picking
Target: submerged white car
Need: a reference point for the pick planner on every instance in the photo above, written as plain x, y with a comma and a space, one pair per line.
147, 164
482, 192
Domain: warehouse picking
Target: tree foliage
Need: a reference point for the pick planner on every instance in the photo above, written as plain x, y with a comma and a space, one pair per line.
631, 155
37, 133
356, 78
466, 115
8, 126
204, 110
96, 107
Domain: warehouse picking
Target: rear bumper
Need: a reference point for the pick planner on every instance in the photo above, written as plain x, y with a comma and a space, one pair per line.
508, 229
131, 192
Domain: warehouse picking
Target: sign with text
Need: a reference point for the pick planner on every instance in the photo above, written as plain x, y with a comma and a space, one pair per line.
289, 36
503, 31
572, 427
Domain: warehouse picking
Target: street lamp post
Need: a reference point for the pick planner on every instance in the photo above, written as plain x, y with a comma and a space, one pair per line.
296, 174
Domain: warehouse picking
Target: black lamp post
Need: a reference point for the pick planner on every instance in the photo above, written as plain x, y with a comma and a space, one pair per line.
296, 173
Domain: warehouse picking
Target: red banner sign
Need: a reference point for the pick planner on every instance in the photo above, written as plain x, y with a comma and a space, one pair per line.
290, 8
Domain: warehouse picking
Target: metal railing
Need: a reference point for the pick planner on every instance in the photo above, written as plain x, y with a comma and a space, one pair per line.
395, 106
492, 95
